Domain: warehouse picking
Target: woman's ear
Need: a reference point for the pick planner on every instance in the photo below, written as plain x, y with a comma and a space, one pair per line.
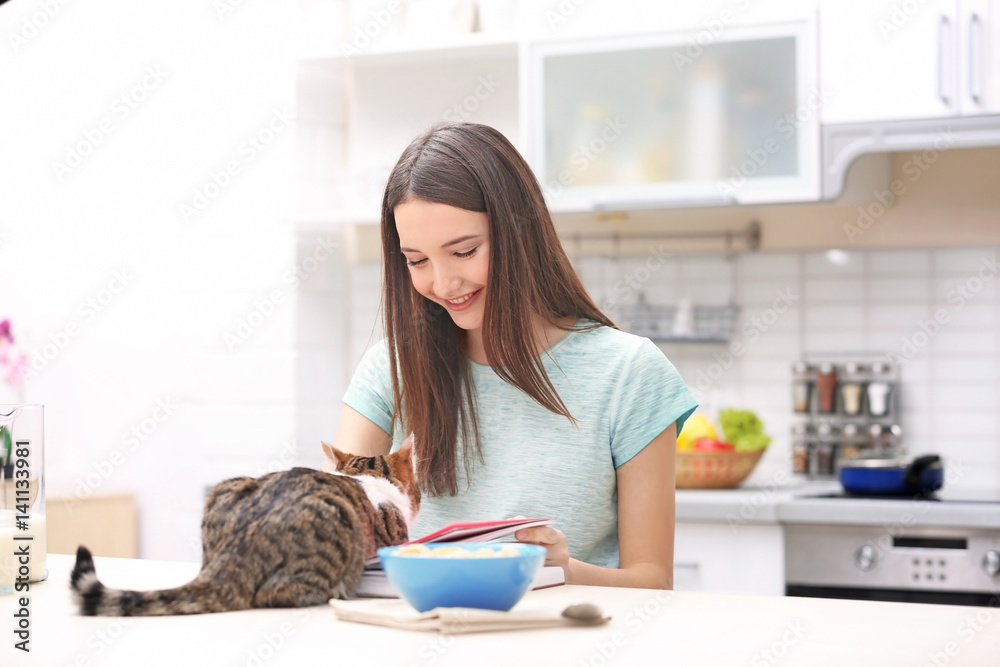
334, 456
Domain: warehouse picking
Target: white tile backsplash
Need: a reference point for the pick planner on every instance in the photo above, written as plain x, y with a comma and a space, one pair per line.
961, 344
961, 261
968, 397
899, 290
824, 318
785, 265
958, 290
979, 314
893, 318
828, 290
834, 263
899, 262
762, 291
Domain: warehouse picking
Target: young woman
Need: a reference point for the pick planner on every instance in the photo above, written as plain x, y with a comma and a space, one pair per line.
524, 398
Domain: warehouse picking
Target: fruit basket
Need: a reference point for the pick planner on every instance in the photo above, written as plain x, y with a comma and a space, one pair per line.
714, 469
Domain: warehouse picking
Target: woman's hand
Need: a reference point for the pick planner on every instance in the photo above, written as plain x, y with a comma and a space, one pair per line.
551, 538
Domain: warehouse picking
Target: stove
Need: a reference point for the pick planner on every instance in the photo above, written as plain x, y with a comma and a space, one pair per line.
906, 553
960, 495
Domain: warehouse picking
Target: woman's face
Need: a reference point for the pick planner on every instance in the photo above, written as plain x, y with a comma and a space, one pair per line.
447, 252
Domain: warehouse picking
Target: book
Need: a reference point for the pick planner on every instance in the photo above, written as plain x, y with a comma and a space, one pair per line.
374, 582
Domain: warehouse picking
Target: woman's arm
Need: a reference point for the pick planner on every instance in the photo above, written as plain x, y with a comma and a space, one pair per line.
645, 524
358, 435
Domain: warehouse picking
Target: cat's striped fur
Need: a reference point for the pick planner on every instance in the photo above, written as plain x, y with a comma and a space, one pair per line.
292, 538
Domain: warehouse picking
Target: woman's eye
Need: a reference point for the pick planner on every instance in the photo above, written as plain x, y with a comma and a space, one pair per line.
417, 262
467, 254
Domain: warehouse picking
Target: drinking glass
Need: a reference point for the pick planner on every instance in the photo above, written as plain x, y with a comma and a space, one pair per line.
22, 484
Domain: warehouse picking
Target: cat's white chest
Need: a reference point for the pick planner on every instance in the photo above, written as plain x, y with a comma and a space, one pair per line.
381, 491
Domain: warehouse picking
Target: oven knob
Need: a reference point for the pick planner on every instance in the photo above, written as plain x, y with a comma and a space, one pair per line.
865, 558
991, 563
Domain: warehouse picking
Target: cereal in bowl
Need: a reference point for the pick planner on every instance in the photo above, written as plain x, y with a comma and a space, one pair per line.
422, 550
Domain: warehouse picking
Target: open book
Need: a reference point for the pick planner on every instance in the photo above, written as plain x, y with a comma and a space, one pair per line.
374, 583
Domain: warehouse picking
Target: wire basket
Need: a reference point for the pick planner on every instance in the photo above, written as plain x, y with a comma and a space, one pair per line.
714, 470
709, 324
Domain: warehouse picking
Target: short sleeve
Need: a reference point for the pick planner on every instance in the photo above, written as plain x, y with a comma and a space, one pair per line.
650, 396
370, 391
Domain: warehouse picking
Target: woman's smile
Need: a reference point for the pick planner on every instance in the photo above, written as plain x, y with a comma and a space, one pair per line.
463, 302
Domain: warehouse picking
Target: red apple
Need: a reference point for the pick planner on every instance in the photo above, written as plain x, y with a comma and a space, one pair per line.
712, 445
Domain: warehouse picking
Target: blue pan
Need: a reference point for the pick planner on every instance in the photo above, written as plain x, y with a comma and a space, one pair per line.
892, 477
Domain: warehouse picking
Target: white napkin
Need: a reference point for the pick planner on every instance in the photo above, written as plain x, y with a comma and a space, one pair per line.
396, 613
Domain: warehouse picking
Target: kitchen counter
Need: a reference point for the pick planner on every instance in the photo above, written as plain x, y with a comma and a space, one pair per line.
648, 628
797, 504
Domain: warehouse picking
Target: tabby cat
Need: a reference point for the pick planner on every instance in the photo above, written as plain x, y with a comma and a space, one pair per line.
292, 538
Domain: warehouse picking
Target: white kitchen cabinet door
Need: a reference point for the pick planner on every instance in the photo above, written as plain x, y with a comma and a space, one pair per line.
725, 558
660, 120
979, 57
883, 60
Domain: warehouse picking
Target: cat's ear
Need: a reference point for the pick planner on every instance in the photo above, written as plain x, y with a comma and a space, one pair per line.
335, 456
405, 451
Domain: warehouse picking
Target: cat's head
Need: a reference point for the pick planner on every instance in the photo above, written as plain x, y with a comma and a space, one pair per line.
398, 467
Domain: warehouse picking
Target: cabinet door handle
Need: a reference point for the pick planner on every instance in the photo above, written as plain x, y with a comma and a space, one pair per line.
942, 26
974, 57
685, 566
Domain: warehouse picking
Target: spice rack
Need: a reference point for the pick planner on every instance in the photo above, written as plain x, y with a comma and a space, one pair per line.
680, 324
845, 410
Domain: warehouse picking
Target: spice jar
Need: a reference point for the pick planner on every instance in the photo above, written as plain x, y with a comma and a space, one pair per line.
879, 391
826, 388
802, 386
852, 442
824, 462
885, 441
800, 449
851, 390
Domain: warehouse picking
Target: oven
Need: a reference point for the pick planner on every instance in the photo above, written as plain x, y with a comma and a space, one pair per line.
893, 563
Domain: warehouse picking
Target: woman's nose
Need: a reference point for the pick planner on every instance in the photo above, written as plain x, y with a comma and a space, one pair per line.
446, 282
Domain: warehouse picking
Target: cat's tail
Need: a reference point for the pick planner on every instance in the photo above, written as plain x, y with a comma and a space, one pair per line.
95, 599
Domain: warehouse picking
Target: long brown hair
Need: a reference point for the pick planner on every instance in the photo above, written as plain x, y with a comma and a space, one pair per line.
472, 167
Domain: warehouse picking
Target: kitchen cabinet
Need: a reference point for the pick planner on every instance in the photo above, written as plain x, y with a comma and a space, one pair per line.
105, 524
889, 60
661, 120
356, 115
729, 558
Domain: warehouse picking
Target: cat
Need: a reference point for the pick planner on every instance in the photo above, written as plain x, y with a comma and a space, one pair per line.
292, 538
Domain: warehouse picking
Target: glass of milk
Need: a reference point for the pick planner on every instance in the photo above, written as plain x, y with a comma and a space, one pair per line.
22, 485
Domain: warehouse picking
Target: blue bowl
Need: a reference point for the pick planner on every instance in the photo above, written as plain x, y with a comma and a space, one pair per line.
482, 583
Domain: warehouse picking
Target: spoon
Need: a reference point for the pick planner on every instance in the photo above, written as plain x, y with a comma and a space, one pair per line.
583, 612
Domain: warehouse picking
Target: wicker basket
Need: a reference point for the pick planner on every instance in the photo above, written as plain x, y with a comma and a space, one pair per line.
714, 470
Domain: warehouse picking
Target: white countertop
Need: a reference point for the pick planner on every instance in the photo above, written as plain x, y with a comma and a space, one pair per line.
648, 628
795, 504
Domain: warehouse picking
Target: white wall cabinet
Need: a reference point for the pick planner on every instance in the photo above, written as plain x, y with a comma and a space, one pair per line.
888, 60
718, 558
659, 120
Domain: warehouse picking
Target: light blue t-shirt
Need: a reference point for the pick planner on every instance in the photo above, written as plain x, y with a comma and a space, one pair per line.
618, 386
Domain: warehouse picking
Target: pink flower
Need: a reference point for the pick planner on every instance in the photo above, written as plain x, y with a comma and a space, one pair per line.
13, 362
